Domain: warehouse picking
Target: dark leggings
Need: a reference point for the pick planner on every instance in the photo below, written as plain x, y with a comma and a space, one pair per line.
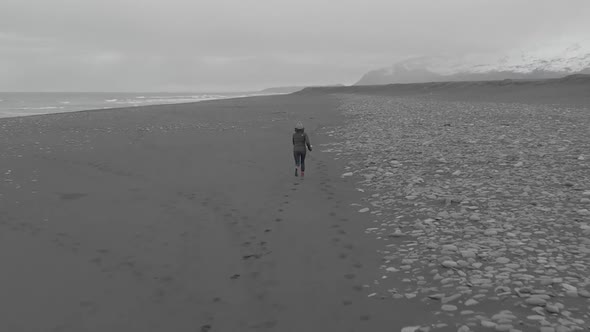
300, 159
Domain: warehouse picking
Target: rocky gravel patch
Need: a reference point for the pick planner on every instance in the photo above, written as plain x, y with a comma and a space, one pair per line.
483, 209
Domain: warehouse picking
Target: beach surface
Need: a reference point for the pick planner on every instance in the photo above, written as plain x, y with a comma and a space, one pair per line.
188, 217
180, 218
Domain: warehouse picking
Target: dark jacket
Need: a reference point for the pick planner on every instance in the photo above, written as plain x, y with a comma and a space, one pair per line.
300, 141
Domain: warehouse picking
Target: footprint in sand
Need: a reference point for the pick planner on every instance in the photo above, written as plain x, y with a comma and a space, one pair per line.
350, 276
358, 288
348, 246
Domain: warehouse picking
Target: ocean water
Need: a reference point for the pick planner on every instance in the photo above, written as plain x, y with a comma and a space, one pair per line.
14, 104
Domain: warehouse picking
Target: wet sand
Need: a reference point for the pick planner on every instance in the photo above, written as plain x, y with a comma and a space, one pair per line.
182, 218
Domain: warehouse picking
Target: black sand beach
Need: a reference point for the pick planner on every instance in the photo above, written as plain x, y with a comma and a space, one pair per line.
188, 218
179, 218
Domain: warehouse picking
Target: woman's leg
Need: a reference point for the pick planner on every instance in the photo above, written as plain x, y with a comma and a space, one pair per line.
297, 161
302, 161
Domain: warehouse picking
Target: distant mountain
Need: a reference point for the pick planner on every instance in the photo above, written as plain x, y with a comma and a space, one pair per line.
291, 89
541, 63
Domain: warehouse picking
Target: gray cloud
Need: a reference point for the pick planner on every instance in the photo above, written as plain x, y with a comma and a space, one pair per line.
240, 44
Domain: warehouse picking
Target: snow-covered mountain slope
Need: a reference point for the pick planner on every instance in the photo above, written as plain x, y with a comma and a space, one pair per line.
550, 61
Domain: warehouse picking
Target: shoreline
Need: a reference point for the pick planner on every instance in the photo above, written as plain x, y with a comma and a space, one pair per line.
138, 106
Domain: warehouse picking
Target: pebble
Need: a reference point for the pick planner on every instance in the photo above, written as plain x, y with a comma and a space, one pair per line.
449, 247
468, 254
449, 264
552, 308
451, 298
488, 324
502, 260
535, 300
410, 329
448, 307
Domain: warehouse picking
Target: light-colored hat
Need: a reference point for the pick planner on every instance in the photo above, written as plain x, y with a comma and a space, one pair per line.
299, 125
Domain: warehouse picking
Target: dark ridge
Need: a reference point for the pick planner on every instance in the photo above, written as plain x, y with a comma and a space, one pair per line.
572, 88
576, 78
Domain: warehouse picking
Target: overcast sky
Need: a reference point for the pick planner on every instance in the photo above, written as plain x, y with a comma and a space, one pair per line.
222, 45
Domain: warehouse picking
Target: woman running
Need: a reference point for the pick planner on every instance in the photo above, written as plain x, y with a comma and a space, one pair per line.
300, 142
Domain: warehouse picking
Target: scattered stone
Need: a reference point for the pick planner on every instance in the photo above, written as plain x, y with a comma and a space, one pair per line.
448, 307
449, 247
464, 328
498, 215
535, 300
502, 260
410, 328
474, 217
488, 324
449, 264
552, 308
451, 298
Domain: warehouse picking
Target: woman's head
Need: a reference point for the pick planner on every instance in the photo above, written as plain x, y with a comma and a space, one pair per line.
299, 127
